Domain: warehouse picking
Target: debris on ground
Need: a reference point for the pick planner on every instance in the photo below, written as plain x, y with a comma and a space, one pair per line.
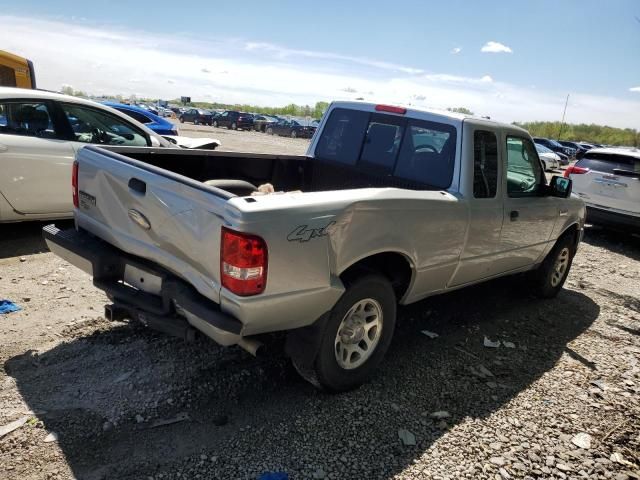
10, 427
440, 414
490, 344
181, 417
52, 437
582, 440
7, 306
406, 437
429, 334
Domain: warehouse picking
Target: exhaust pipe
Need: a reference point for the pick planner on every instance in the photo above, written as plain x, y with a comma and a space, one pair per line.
252, 346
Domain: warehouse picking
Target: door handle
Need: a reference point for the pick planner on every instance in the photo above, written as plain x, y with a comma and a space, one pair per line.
514, 215
138, 186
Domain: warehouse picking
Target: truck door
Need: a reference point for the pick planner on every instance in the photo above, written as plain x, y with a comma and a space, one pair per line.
478, 259
529, 217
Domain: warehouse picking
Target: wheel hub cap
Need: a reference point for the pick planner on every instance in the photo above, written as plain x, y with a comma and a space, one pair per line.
560, 267
358, 334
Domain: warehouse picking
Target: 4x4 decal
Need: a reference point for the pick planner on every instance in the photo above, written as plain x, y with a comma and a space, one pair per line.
302, 233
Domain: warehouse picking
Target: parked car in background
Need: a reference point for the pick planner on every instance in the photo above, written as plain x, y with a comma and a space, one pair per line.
608, 181
198, 116
234, 120
40, 132
564, 159
290, 128
555, 146
587, 146
261, 122
550, 160
580, 150
150, 120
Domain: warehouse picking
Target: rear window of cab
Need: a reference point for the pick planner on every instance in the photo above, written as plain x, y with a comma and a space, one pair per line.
415, 150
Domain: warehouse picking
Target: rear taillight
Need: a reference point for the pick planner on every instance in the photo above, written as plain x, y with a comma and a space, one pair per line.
74, 183
243, 262
574, 170
391, 109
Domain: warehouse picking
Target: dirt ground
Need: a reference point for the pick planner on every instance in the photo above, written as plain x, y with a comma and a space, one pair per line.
558, 399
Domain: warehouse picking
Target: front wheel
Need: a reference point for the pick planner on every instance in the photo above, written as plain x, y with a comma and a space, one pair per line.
234, 126
357, 335
215, 123
550, 276
294, 134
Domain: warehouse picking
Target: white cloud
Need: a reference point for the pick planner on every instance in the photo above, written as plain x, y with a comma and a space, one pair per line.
103, 61
495, 47
634, 89
456, 50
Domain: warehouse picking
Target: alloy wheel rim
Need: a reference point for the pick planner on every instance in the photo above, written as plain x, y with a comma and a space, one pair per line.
358, 334
560, 267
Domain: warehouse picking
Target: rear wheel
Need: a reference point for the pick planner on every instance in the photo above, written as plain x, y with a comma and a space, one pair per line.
234, 126
550, 276
357, 335
269, 131
294, 134
215, 123
181, 119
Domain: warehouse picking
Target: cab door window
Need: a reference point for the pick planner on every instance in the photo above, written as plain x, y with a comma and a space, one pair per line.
90, 125
485, 164
524, 172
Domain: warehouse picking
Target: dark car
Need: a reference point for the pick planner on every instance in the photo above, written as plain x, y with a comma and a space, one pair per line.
555, 146
261, 122
197, 116
234, 120
291, 128
580, 150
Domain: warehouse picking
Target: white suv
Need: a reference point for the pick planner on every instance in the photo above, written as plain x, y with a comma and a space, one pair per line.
608, 180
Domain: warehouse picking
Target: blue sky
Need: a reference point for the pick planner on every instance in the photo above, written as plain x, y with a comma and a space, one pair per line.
302, 51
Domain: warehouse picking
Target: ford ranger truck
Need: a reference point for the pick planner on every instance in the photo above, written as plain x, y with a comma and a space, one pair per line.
390, 205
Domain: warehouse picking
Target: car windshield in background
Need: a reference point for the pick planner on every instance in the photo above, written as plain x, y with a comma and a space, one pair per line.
414, 150
543, 149
610, 162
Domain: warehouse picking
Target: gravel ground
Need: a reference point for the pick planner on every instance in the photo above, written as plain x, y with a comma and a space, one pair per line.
558, 398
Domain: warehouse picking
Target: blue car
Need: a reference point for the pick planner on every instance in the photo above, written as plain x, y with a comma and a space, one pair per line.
150, 120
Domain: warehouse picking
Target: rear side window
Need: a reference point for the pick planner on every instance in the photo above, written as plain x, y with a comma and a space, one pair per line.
485, 164
30, 119
415, 150
608, 162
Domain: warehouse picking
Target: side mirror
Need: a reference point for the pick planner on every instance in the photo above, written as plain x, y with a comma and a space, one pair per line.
560, 186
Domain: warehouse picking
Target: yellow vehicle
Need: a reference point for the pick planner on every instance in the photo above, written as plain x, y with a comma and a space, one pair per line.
16, 71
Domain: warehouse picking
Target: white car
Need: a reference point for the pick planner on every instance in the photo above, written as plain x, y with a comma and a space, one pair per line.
608, 180
550, 160
40, 133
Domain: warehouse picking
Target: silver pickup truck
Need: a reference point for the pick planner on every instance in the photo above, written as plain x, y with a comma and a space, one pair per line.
390, 205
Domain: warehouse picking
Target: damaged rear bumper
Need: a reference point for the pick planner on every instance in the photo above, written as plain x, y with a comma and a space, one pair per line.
145, 292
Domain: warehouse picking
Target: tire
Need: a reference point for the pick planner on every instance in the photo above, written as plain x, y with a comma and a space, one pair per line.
234, 126
181, 120
269, 131
215, 123
294, 134
548, 279
342, 363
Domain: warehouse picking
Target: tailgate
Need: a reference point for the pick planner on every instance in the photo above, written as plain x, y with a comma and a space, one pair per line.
154, 214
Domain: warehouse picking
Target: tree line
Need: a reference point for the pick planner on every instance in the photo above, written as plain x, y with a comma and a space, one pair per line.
583, 132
